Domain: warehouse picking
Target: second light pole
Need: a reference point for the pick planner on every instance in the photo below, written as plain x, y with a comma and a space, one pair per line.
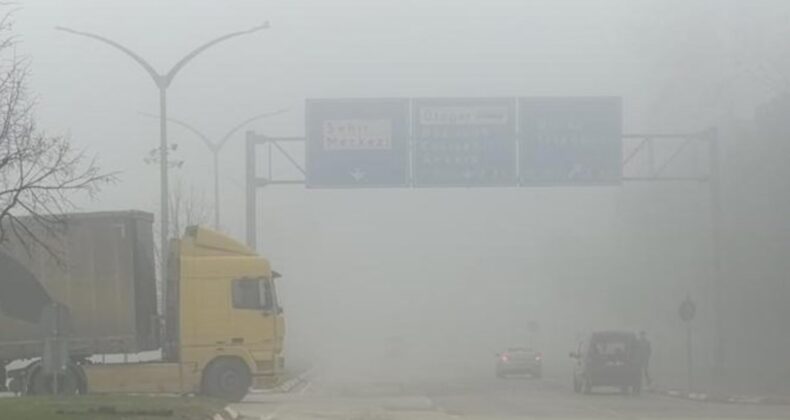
216, 147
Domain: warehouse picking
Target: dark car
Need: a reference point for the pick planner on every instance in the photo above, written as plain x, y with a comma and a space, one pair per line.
608, 358
519, 361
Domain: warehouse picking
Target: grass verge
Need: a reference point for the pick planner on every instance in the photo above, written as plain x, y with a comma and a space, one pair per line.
106, 407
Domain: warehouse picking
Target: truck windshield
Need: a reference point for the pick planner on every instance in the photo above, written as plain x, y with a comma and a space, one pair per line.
252, 293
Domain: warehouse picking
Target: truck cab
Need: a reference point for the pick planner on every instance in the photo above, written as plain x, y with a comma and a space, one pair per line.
227, 308
224, 327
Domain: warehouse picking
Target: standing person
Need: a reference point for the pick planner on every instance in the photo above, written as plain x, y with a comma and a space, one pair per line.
3, 378
644, 351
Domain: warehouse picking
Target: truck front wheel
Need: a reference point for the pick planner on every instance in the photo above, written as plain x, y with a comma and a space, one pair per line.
68, 382
227, 379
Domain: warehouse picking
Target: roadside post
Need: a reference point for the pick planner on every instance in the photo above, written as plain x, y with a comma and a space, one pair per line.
533, 332
687, 311
54, 361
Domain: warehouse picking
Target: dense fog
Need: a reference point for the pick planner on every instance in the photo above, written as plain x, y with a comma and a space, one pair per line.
420, 283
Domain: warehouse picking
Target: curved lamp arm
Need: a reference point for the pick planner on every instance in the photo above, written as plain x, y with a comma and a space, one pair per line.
233, 130
181, 63
148, 68
215, 147
191, 129
163, 81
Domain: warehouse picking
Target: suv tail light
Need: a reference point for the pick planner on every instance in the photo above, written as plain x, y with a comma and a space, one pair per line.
504, 357
539, 356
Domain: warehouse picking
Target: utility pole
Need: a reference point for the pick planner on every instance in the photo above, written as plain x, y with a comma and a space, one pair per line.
162, 82
215, 147
718, 273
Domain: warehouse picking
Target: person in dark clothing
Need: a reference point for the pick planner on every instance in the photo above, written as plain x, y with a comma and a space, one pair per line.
643, 353
3, 378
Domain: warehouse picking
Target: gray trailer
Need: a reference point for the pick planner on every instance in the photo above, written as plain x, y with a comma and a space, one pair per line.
100, 267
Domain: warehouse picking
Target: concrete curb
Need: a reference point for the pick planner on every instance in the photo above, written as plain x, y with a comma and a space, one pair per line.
287, 386
227, 414
723, 399
292, 383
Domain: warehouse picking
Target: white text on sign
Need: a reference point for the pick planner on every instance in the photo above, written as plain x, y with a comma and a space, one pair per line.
463, 115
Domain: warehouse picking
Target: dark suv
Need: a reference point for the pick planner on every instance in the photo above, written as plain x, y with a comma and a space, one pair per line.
608, 358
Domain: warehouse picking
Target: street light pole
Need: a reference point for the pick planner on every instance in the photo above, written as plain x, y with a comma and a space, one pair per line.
162, 82
216, 147
164, 194
215, 156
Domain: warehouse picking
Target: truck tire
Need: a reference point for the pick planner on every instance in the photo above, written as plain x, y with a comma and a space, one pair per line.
227, 379
69, 382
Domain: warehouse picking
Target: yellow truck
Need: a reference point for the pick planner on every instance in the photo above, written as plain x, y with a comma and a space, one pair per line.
221, 331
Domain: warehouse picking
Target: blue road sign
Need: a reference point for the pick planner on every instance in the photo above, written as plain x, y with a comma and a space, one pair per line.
570, 141
357, 143
464, 142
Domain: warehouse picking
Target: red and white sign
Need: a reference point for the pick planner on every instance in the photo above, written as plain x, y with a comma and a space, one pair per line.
357, 134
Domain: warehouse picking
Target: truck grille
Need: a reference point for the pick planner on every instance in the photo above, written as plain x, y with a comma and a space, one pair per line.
264, 365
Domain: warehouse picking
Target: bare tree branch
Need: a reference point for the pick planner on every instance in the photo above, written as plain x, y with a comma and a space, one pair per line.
187, 208
39, 173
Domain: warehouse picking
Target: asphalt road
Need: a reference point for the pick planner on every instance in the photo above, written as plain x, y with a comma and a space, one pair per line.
484, 398
550, 399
